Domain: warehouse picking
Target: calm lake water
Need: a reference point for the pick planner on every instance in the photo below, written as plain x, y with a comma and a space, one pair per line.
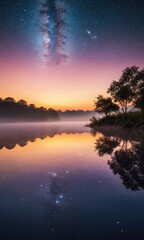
59, 181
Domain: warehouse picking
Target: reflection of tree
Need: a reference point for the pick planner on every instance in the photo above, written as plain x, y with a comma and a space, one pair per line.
13, 135
23, 143
129, 165
10, 145
106, 145
126, 162
1, 146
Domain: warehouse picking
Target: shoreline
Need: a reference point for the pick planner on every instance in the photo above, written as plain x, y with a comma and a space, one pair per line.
117, 131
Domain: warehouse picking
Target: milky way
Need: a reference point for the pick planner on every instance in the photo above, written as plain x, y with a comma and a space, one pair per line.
52, 28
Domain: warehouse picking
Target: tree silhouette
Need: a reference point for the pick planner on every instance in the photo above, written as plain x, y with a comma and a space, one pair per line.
11, 111
139, 92
105, 105
127, 91
32, 106
43, 109
10, 100
123, 91
22, 102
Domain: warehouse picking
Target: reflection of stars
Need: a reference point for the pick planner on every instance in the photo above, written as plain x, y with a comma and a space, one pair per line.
54, 174
59, 199
61, 196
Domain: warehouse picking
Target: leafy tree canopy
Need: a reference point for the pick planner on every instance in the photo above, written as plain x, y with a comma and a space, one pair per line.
105, 105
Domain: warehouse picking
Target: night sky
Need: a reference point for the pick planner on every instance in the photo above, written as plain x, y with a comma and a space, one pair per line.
101, 38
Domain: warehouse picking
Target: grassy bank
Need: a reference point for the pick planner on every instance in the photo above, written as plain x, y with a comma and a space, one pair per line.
129, 120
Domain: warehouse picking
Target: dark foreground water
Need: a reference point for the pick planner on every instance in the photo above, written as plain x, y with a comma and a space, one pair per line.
59, 181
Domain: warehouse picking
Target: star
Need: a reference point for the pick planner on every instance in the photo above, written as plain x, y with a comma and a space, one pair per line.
88, 32
61, 196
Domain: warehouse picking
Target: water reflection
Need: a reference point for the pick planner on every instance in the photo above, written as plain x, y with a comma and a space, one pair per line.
60, 188
53, 197
127, 158
20, 134
106, 145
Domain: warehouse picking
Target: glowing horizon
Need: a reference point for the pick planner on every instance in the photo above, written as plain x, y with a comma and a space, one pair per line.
72, 86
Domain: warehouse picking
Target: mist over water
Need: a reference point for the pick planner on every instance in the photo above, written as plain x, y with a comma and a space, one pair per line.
12, 134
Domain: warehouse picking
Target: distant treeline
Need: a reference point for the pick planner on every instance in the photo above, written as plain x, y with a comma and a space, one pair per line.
75, 115
12, 111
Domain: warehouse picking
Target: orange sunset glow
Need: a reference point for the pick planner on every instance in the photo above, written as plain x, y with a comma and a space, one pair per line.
70, 86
